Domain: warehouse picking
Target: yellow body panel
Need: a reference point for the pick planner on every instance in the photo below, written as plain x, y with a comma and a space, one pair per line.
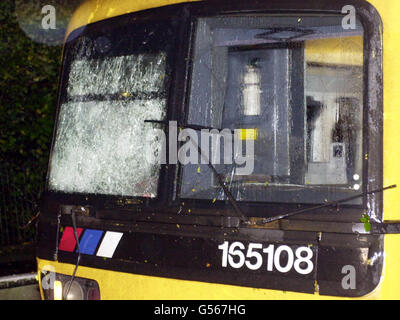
388, 11
123, 286
96, 10
117, 285
333, 51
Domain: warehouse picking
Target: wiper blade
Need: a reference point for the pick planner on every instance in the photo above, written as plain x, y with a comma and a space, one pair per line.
221, 183
328, 204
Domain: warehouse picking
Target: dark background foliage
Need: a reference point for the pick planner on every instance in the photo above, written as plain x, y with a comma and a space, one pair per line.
28, 92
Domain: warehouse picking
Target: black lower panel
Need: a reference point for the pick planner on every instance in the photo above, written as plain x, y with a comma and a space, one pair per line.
288, 261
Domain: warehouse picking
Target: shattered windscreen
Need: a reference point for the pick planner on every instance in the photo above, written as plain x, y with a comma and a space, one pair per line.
116, 80
293, 96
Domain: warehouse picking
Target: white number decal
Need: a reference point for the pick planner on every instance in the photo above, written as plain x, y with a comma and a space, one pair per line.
233, 255
307, 260
255, 254
270, 261
224, 248
277, 259
237, 253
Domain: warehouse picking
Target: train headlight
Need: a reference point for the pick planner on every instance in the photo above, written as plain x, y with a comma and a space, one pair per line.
55, 287
75, 292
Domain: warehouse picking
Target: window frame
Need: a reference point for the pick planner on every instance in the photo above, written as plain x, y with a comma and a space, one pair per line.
372, 105
146, 17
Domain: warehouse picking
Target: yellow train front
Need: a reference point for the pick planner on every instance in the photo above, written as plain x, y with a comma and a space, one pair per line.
225, 150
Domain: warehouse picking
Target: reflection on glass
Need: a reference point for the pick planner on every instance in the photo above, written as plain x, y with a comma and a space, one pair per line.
251, 91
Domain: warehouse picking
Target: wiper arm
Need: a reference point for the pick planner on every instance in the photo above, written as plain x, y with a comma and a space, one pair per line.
221, 183
186, 126
328, 204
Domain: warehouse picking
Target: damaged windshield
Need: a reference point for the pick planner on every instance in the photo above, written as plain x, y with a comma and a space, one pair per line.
116, 79
291, 90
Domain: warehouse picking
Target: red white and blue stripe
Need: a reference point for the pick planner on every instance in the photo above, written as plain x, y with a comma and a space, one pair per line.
92, 242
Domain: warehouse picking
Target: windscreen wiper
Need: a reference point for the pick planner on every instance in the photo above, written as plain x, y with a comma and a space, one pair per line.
186, 126
328, 204
221, 182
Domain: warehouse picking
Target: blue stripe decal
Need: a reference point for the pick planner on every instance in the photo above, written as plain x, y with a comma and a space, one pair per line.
90, 240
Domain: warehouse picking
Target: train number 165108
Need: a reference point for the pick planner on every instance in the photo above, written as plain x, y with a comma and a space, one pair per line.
236, 256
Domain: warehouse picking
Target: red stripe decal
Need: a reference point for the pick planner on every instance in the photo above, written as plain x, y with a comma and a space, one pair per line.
68, 241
